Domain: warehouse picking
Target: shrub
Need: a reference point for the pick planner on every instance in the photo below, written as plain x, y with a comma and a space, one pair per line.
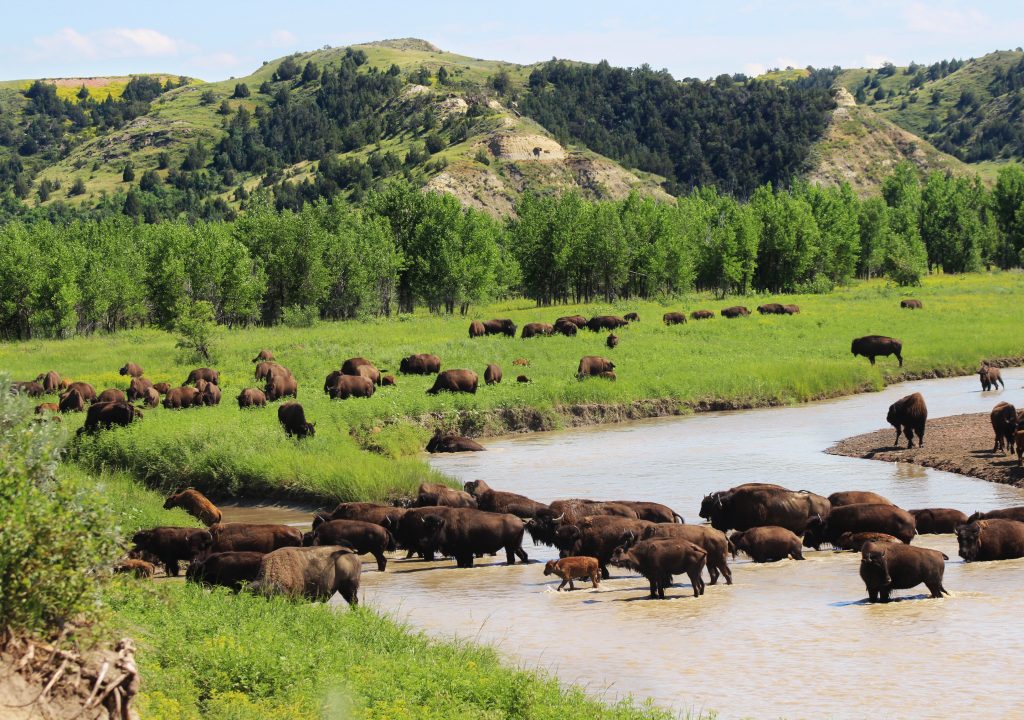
55, 538
196, 327
300, 316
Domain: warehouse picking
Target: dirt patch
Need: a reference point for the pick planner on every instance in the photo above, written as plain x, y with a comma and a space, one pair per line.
960, 443
525, 147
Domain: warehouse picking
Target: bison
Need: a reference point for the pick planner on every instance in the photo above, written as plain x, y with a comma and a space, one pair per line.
293, 419
463, 533
606, 322
500, 327
112, 395
422, 364
384, 515
573, 568
937, 521
251, 397
791, 309
591, 365
756, 505
909, 416
454, 381
253, 537
564, 327
363, 537
885, 567
1011, 513
536, 329
182, 397
871, 346
659, 560
264, 369
857, 497
771, 309
701, 315
476, 329
349, 386
855, 541
162, 387
131, 369
735, 311
263, 356
315, 573
887, 519
578, 320
1004, 425
137, 388
612, 342
50, 381
767, 544
996, 539
172, 544
503, 502
492, 374
674, 318
714, 542
911, 304
227, 569
598, 536
136, 567
432, 494
208, 374
195, 504
108, 414
72, 401
29, 387
990, 378
281, 383
631, 317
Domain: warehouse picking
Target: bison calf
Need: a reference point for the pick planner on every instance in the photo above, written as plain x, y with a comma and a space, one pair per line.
195, 504
574, 568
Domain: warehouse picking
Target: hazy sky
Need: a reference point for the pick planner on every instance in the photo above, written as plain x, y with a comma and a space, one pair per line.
216, 39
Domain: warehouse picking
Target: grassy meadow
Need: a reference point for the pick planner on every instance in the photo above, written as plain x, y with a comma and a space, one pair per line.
368, 448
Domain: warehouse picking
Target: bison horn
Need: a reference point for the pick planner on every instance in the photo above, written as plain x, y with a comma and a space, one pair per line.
559, 518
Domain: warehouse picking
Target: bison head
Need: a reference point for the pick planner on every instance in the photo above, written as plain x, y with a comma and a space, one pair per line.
433, 527
814, 533
623, 557
142, 539
969, 538
550, 567
308, 539
172, 501
873, 563
200, 542
565, 537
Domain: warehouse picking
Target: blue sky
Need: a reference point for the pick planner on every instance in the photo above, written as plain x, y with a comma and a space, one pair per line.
214, 39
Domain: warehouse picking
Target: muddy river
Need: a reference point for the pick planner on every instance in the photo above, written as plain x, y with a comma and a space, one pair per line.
789, 639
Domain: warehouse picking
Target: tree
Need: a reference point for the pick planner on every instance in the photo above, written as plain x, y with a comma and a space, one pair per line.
1008, 208
209, 97
501, 81
442, 75
433, 143
287, 69
225, 107
310, 72
150, 181
241, 91
163, 160
906, 258
77, 187
128, 174
196, 330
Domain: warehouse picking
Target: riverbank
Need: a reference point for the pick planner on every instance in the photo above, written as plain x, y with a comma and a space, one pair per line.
959, 444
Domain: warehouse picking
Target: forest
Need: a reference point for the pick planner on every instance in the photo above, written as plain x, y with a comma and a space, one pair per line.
403, 249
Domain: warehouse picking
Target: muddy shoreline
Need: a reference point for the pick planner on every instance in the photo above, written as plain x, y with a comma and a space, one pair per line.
959, 444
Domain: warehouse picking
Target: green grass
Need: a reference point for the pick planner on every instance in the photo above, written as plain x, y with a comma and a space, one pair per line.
745, 362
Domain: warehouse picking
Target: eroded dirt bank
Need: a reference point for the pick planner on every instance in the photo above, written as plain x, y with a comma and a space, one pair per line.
959, 443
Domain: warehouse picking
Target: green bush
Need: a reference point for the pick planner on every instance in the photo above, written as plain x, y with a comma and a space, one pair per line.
56, 539
300, 316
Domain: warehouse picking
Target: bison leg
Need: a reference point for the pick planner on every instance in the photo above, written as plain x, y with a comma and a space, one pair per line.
562, 584
900, 358
723, 567
897, 441
871, 359
382, 562
654, 587
935, 586
797, 552
872, 595
521, 554
713, 574
909, 432
697, 582
571, 586
605, 575
350, 595
171, 564
594, 579
920, 436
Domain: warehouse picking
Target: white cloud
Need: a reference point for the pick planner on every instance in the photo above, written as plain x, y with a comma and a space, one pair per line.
921, 17
108, 43
218, 61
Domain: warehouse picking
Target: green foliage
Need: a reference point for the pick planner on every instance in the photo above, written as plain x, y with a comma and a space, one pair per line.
55, 539
299, 316
77, 187
196, 329
128, 174
241, 91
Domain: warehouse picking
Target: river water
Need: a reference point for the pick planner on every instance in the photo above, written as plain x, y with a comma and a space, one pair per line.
789, 639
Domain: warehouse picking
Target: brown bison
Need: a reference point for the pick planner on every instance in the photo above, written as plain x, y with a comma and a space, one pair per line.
172, 544
264, 369
1011, 513
72, 401
652, 511
598, 536
422, 364
857, 497
591, 365
136, 567
908, 415
674, 318
111, 395
151, 398
388, 381
573, 568
263, 356
564, 327
492, 374
363, 537
757, 505
131, 369
522, 379
349, 386
887, 519
47, 408
87, 391
211, 394
50, 381
871, 346
281, 383
606, 322
463, 533
137, 388
536, 329
503, 502
162, 387
990, 378
28, 387
612, 342
631, 317
369, 372
251, 397
109, 414
293, 419
182, 397
315, 573
477, 329
659, 560
578, 320
521, 362
1004, 425
454, 381
226, 569
885, 567
607, 375
735, 311
452, 444
771, 309
714, 542
429, 494
767, 544
195, 504
208, 374
911, 304
701, 315
386, 516
855, 541
500, 327
253, 537
937, 521
791, 309
996, 539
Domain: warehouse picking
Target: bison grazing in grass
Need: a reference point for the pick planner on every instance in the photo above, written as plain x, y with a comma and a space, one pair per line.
195, 504
909, 416
208, 374
578, 320
455, 381
659, 560
422, 364
349, 386
701, 315
911, 304
112, 395
137, 388
226, 569
28, 387
990, 378
315, 573
871, 346
477, 329
612, 342
182, 397
151, 398
591, 365
606, 322
162, 387
500, 327
293, 419
263, 356
574, 568
885, 567
108, 414
72, 401
735, 311
492, 374
631, 317
674, 318
1004, 425
281, 383
131, 369
771, 309
251, 397
87, 391
264, 369
791, 309
536, 330
564, 327
50, 381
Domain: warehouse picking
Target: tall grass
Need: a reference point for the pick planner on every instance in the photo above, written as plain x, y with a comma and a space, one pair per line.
747, 361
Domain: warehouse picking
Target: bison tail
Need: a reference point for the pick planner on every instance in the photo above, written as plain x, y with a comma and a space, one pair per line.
678, 517
945, 557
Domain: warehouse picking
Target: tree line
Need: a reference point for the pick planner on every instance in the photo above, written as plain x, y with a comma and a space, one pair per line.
404, 249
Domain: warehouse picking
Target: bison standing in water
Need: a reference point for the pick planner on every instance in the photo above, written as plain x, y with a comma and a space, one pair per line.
885, 567
936, 521
857, 497
452, 443
767, 544
227, 569
254, 537
172, 544
995, 539
463, 533
1010, 513
990, 378
659, 560
908, 415
503, 502
434, 494
871, 346
756, 505
598, 536
573, 568
363, 537
714, 542
887, 519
